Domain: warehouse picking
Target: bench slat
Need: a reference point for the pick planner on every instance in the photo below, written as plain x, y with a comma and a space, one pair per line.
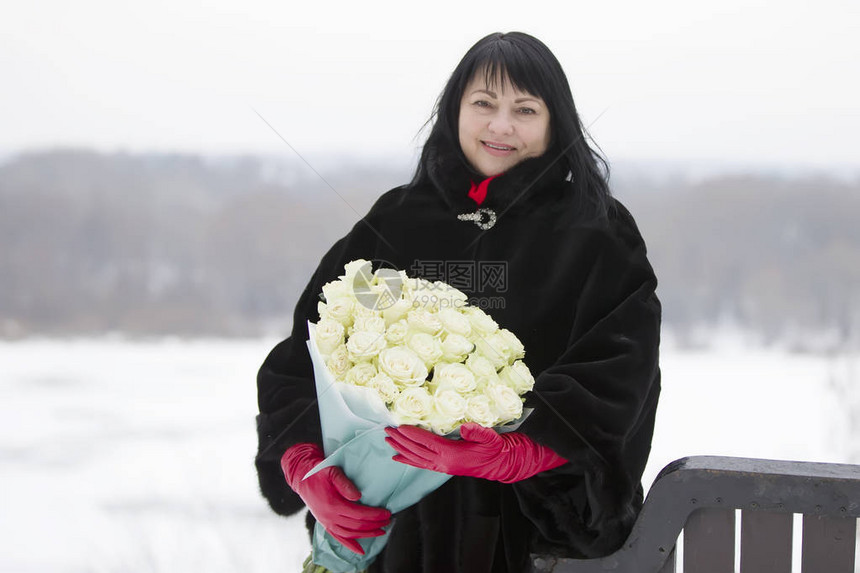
766, 540
727, 484
828, 544
709, 541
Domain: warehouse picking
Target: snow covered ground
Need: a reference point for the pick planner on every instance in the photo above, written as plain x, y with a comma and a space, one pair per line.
120, 456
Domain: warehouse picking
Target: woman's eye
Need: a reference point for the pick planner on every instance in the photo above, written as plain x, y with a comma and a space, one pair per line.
527, 110
482, 103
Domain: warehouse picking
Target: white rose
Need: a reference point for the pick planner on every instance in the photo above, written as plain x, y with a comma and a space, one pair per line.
390, 280
369, 323
423, 320
426, 346
455, 377
384, 386
361, 311
363, 345
517, 377
397, 311
480, 411
329, 335
409, 285
455, 348
338, 362
495, 348
449, 297
337, 289
387, 300
360, 374
449, 408
403, 366
374, 298
438, 296
412, 406
505, 402
354, 267
481, 367
482, 323
424, 295
396, 332
385, 274
518, 351
321, 309
455, 322
340, 309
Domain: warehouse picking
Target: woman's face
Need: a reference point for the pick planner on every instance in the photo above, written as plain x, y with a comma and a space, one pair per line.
501, 126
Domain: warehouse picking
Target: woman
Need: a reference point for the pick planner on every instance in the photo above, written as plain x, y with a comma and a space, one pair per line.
509, 205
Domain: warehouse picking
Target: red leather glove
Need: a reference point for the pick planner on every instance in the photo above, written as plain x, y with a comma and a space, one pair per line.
331, 497
481, 453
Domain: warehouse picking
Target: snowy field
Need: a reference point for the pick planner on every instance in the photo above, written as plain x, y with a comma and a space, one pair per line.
129, 457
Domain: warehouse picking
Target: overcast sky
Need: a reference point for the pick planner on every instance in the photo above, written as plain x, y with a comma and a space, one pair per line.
733, 80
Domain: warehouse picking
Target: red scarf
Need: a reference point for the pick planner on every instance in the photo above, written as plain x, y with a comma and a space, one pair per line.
479, 192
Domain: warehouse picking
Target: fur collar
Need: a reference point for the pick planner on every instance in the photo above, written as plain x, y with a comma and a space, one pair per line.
532, 182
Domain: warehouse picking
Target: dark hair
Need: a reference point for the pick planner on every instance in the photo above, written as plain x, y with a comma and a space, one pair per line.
531, 67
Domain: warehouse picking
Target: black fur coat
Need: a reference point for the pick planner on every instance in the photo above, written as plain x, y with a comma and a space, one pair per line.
573, 282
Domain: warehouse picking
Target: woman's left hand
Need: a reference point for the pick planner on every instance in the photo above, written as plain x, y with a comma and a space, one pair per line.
481, 453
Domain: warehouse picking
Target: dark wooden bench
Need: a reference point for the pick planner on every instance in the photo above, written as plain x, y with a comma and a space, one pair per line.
701, 496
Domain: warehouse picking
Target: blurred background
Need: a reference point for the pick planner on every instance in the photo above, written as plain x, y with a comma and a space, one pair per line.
171, 173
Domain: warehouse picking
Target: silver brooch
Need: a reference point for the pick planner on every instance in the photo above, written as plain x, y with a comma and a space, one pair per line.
484, 218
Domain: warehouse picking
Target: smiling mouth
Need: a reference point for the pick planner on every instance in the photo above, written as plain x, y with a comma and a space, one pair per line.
498, 146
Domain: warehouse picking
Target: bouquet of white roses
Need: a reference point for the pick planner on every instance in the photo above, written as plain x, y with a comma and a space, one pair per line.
477, 375
390, 350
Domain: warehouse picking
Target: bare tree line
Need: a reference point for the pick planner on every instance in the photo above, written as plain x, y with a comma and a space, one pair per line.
777, 255
182, 244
